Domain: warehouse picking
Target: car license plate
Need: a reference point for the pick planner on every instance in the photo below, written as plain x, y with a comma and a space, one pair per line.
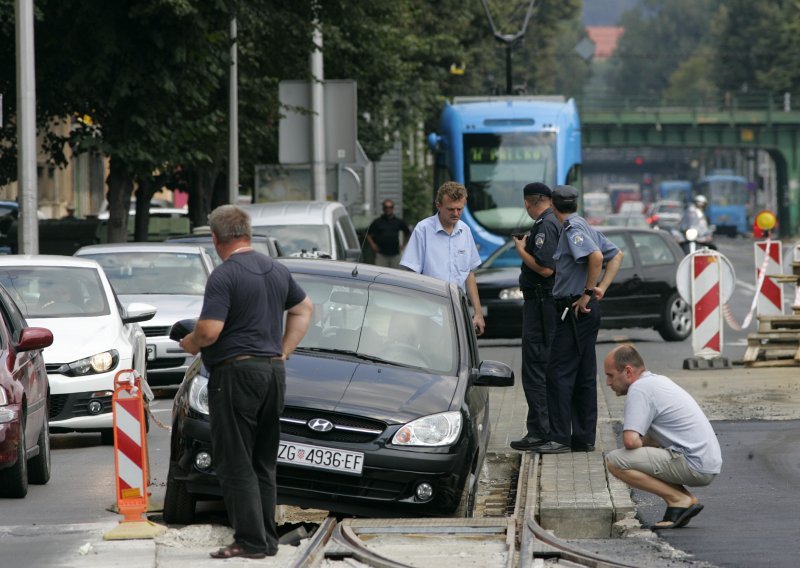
321, 458
151, 352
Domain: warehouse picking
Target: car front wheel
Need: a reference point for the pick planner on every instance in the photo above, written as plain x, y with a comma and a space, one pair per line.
179, 504
39, 466
676, 324
466, 505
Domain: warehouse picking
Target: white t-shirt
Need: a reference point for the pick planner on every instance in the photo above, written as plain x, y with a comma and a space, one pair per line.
657, 406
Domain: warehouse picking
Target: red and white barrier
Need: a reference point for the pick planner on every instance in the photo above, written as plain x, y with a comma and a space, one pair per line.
130, 446
770, 294
706, 304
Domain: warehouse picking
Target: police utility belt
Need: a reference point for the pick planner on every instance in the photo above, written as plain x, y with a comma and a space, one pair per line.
537, 293
566, 301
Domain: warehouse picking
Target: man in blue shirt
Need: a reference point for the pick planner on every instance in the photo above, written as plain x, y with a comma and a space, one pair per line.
442, 246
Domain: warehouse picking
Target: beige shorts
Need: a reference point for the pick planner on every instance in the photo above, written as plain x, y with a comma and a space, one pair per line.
662, 464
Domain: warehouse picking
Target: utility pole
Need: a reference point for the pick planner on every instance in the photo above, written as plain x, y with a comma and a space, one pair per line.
28, 229
509, 40
318, 169
233, 112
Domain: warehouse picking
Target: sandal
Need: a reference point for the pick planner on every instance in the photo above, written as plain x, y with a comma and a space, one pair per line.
236, 550
678, 517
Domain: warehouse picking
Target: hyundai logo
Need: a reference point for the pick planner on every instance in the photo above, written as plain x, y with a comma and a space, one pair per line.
320, 425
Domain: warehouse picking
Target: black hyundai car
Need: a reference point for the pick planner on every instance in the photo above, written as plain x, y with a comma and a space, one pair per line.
386, 408
643, 294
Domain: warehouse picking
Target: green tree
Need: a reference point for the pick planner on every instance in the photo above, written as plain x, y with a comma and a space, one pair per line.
757, 46
659, 37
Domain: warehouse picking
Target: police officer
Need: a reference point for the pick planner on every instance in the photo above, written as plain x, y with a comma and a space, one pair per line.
572, 368
538, 312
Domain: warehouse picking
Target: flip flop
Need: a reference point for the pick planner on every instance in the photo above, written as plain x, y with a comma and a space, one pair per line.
678, 516
689, 514
236, 550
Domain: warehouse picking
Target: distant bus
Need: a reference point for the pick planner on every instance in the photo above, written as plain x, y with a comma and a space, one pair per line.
675, 190
622, 192
497, 145
730, 202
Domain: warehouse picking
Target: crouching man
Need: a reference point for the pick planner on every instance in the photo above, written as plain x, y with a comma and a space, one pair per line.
669, 442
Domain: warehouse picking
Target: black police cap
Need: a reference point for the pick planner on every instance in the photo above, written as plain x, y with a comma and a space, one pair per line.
536, 188
565, 194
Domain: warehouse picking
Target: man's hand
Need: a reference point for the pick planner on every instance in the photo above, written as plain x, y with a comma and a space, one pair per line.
478, 323
189, 345
580, 304
519, 243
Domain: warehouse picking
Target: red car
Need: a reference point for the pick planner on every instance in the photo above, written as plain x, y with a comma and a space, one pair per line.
24, 433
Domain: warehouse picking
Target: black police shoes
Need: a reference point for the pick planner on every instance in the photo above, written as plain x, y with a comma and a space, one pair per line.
582, 447
527, 443
553, 448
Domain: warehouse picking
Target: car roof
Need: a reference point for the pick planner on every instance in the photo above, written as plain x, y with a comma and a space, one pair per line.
206, 237
368, 273
185, 248
291, 212
47, 260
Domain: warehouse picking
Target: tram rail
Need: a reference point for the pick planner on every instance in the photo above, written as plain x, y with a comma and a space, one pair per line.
509, 541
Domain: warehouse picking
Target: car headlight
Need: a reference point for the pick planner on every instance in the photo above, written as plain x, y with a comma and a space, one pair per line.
511, 293
434, 430
198, 394
98, 363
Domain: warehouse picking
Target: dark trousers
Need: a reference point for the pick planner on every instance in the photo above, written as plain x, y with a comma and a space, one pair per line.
572, 377
538, 328
245, 403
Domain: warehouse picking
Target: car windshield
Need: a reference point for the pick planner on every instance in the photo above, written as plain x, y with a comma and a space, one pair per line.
55, 291
295, 239
153, 272
381, 322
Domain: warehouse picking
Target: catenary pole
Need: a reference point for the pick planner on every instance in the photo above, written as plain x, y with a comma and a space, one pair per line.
318, 170
28, 229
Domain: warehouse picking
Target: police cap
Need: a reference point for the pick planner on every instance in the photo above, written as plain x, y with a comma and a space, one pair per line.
536, 188
565, 194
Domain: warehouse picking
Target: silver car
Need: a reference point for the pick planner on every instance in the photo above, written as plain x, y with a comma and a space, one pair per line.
170, 276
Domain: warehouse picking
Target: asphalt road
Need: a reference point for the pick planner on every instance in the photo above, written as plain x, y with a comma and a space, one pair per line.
751, 514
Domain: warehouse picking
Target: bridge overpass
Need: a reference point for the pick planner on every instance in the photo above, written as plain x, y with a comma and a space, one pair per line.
765, 122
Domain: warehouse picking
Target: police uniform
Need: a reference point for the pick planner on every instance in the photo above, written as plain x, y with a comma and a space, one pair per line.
538, 321
572, 367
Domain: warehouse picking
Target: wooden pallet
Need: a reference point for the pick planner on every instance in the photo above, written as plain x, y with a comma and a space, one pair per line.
774, 348
767, 324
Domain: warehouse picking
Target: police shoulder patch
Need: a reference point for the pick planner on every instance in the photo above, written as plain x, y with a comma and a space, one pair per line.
539, 240
577, 239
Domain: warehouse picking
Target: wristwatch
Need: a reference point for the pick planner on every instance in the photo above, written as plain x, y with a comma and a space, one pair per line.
588, 292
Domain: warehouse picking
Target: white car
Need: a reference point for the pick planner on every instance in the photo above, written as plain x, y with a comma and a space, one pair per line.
94, 336
311, 229
170, 276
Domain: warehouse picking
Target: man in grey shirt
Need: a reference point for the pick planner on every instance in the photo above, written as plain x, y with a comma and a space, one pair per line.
669, 442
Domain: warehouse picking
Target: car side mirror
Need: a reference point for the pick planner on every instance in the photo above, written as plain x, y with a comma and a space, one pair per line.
34, 338
493, 374
136, 312
181, 329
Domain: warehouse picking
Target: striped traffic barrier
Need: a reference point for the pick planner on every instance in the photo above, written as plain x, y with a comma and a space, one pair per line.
130, 459
769, 260
706, 305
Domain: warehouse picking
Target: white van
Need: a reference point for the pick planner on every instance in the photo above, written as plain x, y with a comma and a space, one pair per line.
307, 228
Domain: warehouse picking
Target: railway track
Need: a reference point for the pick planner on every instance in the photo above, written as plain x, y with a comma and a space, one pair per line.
511, 539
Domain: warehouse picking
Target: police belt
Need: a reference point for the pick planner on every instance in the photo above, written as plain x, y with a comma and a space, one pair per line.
537, 293
566, 301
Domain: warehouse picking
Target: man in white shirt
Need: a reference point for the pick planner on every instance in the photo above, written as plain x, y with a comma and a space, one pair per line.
669, 442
